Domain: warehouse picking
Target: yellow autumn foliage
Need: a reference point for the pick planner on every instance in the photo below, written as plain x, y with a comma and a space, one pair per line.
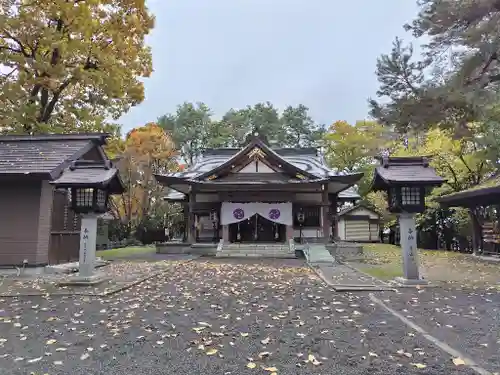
71, 65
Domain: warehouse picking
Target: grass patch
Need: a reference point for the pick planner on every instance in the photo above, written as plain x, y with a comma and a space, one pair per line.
125, 252
382, 272
385, 262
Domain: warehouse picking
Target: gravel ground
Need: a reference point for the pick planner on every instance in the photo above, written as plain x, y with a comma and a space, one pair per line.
467, 319
214, 318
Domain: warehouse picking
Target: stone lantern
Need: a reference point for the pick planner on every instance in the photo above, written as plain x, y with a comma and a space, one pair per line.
89, 185
406, 180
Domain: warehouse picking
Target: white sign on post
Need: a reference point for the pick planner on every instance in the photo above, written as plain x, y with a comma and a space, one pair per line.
88, 241
409, 248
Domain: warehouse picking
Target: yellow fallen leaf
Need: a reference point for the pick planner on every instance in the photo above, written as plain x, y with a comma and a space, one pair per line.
211, 351
251, 365
243, 334
271, 369
51, 341
458, 361
418, 365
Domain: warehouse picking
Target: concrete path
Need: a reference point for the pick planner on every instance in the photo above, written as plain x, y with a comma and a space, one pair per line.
318, 253
344, 278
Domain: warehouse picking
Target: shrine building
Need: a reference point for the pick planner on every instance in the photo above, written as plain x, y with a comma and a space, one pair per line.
260, 194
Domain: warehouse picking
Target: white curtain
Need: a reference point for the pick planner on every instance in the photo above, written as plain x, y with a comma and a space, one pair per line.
277, 212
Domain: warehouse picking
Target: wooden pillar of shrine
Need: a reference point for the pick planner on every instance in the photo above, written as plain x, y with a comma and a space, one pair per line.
185, 213
225, 233
191, 229
325, 205
333, 216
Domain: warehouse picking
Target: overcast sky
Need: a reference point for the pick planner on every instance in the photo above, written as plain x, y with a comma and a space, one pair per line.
230, 53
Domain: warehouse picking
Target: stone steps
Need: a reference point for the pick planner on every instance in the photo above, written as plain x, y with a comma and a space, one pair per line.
256, 251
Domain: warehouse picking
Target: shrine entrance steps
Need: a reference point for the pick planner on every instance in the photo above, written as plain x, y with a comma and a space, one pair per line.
256, 250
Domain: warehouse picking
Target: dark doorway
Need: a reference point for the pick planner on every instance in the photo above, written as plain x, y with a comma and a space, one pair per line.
257, 229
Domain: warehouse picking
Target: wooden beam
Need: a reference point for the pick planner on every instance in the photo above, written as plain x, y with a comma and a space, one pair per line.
326, 216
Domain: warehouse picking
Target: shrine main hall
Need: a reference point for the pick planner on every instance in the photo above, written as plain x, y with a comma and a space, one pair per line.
260, 194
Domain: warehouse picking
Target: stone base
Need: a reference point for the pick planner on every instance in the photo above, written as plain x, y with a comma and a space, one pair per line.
84, 281
71, 267
411, 282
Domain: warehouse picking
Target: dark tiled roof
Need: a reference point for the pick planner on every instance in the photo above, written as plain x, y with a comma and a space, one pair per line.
42, 154
306, 159
405, 170
90, 175
87, 176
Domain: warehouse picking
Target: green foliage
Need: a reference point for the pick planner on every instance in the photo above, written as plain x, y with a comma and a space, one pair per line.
352, 148
193, 129
455, 82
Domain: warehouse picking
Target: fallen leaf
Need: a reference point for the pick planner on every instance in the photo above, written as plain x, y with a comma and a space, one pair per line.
458, 361
84, 356
251, 365
270, 369
264, 354
211, 351
243, 334
34, 360
418, 365
266, 341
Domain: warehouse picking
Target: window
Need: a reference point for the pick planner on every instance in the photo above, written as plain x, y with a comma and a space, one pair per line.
311, 216
410, 196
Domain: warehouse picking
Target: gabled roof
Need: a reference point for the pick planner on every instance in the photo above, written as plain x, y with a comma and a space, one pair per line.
44, 156
304, 159
240, 157
305, 164
96, 174
348, 210
412, 170
485, 194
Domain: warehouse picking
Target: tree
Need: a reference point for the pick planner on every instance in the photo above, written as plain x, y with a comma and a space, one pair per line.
299, 128
456, 79
69, 64
352, 148
193, 129
263, 117
146, 150
463, 164
412, 103
189, 128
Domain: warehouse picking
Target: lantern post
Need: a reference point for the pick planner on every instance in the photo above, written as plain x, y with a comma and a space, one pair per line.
89, 185
89, 203
406, 180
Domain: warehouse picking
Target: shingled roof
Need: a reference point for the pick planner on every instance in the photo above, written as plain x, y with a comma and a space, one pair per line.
485, 194
411, 170
96, 174
44, 156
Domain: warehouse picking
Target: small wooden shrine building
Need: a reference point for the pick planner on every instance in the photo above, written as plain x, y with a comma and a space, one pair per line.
485, 230
260, 193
